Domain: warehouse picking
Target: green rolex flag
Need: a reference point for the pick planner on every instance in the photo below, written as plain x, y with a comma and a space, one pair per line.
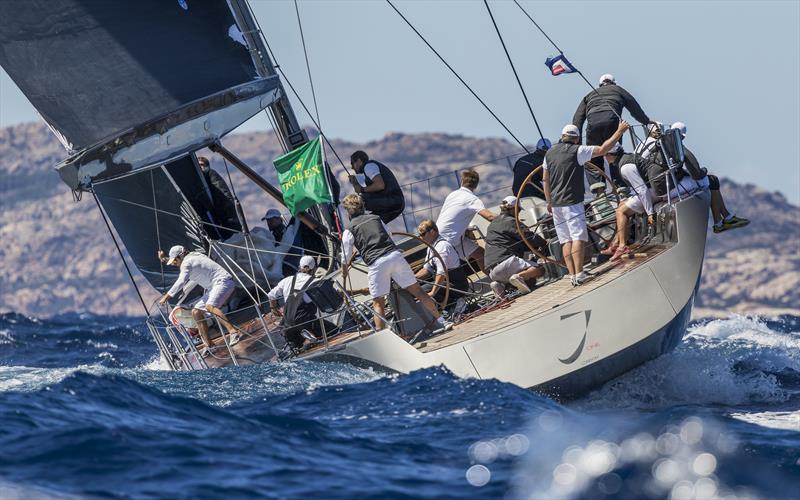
302, 177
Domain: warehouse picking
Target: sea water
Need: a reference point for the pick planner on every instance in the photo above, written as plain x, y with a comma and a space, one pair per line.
87, 410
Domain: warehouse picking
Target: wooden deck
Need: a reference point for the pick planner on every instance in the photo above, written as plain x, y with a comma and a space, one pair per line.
539, 301
256, 347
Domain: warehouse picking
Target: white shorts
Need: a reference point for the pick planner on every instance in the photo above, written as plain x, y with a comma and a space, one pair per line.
503, 271
687, 186
465, 247
635, 204
217, 296
390, 267
570, 223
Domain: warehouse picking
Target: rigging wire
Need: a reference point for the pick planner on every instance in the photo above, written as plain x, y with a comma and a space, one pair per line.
457, 76
550, 40
514, 69
297, 95
594, 89
121, 255
308, 66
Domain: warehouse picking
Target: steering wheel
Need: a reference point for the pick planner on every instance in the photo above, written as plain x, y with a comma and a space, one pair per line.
527, 181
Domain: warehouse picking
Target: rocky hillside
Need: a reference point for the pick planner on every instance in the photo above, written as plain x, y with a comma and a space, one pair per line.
57, 256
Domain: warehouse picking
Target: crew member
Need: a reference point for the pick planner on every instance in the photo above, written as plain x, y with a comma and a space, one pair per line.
223, 203
369, 235
723, 219
275, 224
449, 265
505, 251
645, 171
382, 194
564, 191
602, 110
525, 165
612, 159
304, 316
217, 284
457, 212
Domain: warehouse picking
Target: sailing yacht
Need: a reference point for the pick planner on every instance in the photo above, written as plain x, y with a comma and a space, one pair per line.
121, 91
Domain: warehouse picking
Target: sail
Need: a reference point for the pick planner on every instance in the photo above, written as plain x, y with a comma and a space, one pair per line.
168, 205
131, 86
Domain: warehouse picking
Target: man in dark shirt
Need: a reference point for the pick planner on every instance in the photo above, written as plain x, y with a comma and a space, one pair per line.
505, 250
613, 157
382, 194
602, 109
525, 165
223, 210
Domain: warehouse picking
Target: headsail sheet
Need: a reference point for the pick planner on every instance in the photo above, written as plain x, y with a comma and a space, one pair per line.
163, 213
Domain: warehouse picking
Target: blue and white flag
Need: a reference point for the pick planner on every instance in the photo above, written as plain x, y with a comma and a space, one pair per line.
559, 65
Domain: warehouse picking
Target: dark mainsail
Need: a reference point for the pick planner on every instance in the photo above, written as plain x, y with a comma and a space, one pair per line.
126, 85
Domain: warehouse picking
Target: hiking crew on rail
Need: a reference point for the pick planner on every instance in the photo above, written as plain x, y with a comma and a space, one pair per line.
382, 194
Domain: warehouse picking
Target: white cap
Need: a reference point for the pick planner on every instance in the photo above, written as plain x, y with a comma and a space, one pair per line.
652, 127
271, 213
511, 201
606, 78
307, 261
680, 126
615, 149
571, 130
174, 253
544, 144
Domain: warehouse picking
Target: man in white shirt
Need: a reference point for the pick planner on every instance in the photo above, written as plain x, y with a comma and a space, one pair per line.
564, 190
382, 194
449, 265
304, 315
217, 284
457, 212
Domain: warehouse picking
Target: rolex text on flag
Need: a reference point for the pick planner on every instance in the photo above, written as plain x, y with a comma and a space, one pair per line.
559, 65
302, 177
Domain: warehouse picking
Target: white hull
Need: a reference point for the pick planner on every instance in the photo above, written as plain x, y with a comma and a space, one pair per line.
579, 344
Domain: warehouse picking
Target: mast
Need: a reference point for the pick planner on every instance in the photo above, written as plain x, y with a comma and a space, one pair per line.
293, 135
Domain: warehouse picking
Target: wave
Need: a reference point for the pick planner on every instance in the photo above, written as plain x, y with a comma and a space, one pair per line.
403, 435
732, 362
80, 424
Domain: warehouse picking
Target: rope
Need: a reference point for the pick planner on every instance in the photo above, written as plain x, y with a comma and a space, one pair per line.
121, 256
308, 66
158, 233
457, 75
514, 69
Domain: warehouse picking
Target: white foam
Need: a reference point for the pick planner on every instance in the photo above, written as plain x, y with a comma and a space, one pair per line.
726, 362
27, 378
786, 420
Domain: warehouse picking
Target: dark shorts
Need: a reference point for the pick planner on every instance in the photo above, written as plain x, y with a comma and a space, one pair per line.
600, 126
386, 206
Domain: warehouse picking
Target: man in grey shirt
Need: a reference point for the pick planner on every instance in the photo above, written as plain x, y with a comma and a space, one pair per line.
564, 190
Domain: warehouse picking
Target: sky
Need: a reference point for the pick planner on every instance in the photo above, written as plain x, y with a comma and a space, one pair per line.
729, 69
